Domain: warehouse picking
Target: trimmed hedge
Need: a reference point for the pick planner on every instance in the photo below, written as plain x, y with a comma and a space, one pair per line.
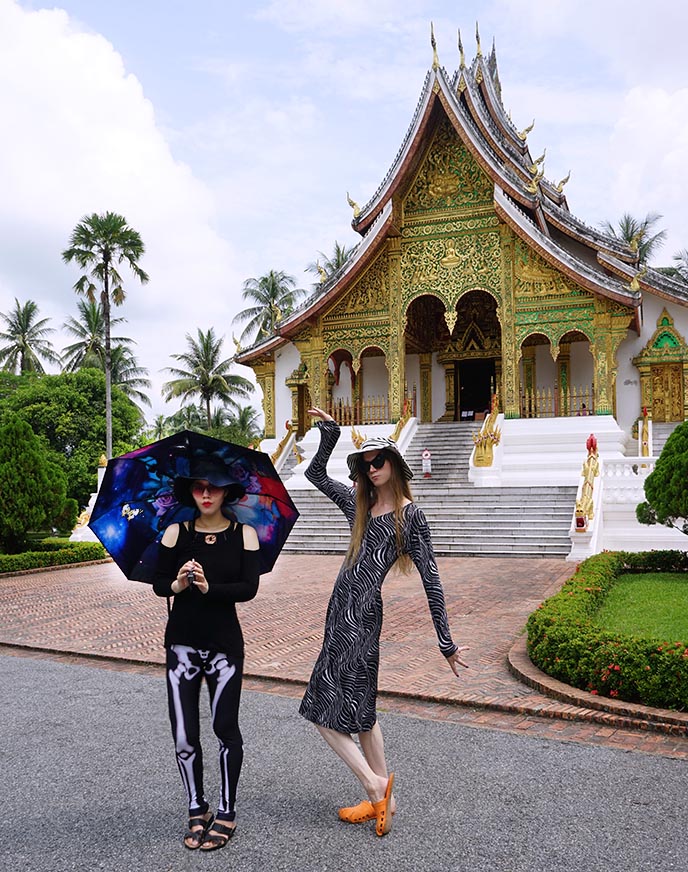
53, 552
564, 642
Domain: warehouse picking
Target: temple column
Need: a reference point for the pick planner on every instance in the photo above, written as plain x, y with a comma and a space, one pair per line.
317, 369
396, 358
426, 388
529, 381
564, 379
603, 359
265, 376
506, 313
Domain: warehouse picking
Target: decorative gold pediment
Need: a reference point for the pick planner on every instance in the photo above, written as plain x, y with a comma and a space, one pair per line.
665, 345
449, 177
369, 295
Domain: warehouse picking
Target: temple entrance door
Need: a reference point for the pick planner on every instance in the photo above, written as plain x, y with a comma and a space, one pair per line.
473, 384
667, 393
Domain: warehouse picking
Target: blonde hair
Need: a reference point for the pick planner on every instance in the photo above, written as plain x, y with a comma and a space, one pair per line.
366, 497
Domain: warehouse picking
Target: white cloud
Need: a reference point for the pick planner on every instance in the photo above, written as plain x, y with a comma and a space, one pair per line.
83, 138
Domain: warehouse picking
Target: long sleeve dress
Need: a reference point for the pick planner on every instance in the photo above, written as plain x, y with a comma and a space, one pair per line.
342, 691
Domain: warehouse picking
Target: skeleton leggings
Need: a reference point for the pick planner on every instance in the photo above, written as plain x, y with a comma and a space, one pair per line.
186, 668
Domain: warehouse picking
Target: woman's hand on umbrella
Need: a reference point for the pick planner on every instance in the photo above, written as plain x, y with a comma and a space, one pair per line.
456, 661
320, 413
188, 571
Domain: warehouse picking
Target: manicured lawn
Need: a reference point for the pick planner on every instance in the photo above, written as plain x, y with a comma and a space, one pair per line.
653, 606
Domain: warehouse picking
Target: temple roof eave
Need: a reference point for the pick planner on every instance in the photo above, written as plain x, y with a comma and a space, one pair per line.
582, 273
650, 280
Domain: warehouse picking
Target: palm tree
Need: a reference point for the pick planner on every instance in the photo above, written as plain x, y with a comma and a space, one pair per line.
89, 330
206, 375
638, 234
330, 265
246, 423
99, 244
187, 418
25, 338
128, 376
274, 296
681, 259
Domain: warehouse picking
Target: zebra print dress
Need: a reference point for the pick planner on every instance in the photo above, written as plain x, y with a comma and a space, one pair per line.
342, 691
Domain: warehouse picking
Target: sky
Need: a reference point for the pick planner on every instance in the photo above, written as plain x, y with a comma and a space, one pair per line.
228, 133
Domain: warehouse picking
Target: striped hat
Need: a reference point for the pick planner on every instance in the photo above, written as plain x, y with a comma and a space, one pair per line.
377, 443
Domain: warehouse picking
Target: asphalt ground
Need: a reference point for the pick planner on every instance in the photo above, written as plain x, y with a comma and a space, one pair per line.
90, 783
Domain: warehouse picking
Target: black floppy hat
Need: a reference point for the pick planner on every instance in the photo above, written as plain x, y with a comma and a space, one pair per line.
215, 473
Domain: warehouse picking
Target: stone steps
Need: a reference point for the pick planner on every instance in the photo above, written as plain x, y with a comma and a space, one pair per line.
523, 521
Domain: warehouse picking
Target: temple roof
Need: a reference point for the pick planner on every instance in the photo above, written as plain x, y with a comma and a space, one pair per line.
534, 207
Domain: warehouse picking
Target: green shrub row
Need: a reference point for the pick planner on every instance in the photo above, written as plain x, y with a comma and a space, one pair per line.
564, 642
57, 553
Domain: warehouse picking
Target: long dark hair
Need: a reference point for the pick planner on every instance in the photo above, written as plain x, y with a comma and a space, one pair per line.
366, 497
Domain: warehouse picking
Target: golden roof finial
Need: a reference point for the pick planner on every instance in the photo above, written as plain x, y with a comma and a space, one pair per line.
635, 240
524, 133
533, 186
354, 205
533, 168
321, 272
102, 461
559, 187
635, 283
477, 39
462, 57
237, 344
435, 59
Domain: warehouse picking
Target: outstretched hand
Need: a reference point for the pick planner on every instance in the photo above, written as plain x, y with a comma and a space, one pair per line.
320, 413
455, 660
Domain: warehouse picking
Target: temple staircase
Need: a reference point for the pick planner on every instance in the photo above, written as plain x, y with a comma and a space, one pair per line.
465, 521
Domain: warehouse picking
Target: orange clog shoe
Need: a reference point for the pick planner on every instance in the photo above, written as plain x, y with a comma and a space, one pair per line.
358, 814
383, 812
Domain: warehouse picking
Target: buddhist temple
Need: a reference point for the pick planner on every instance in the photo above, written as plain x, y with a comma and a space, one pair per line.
473, 284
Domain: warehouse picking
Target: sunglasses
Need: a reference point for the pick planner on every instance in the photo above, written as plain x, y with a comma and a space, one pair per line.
199, 487
377, 463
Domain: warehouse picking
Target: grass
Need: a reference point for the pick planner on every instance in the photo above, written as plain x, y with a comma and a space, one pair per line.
651, 606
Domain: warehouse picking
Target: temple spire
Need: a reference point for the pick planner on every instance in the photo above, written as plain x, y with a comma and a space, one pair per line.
435, 59
462, 57
477, 40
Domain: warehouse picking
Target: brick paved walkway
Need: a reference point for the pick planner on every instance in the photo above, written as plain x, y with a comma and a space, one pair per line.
93, 610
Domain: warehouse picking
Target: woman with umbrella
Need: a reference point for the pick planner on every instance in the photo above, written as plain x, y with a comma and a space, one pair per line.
208, 564
387, 529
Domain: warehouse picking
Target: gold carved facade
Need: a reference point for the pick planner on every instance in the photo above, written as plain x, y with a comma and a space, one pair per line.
663, 367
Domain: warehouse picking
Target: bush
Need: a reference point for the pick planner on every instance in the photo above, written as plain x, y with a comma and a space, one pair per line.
564, 642
56, 553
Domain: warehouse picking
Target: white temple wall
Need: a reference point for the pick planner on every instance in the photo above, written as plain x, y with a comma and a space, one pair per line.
545, 368
375, 378
439, 391
581, 371
287, 358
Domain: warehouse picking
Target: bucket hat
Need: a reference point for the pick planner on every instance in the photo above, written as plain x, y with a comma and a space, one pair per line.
377, 443
212, 471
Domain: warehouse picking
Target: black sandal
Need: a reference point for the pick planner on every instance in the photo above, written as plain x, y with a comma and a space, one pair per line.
197, 835
213, 842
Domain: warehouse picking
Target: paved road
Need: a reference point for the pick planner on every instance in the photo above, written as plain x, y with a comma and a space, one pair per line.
90, 784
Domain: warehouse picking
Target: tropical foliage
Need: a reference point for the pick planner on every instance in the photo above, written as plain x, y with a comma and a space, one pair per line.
99, 244
274, 296
638, 233
326, 266
666, 488
23, 340
206, 375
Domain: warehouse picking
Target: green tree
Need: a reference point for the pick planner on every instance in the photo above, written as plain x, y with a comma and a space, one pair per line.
33, 488
24, 342
666, 488
274, 296
681, 261
99, 244
67, 412
638, 232
207, 376
330, 264
88, 328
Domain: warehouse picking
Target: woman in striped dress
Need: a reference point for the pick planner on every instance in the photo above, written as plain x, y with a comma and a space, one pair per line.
386, 528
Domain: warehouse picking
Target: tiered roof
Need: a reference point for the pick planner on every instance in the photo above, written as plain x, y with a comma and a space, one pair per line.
534, 207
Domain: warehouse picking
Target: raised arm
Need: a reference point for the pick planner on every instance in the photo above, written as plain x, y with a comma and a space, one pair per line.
316, 473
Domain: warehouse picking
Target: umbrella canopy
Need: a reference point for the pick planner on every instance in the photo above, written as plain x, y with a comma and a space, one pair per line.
137, 501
